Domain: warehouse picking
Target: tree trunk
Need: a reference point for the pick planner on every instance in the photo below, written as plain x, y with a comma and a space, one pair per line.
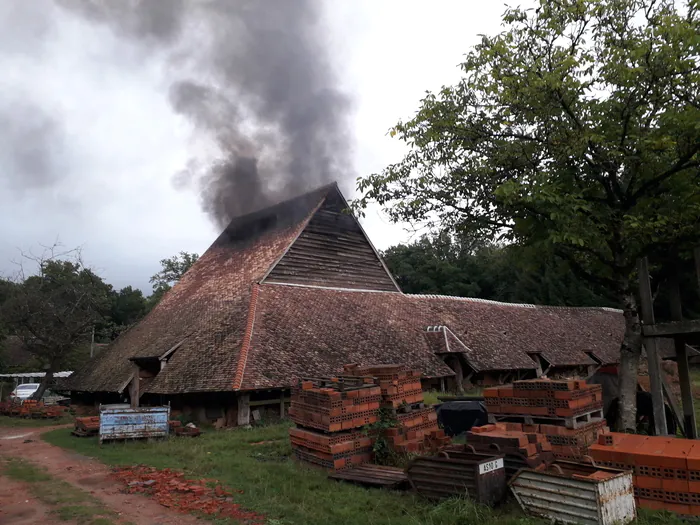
45, 381
630, 352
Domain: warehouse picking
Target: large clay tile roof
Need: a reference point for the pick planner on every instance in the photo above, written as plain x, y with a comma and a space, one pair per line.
205, 312
303, 331
499, 336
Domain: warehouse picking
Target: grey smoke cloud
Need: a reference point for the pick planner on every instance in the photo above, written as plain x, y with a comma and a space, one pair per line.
255, 76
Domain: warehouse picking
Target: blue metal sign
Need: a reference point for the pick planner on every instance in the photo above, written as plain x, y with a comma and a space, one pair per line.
120, 422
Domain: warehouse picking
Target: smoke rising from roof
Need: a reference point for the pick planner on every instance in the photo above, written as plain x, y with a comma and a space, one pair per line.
255, 78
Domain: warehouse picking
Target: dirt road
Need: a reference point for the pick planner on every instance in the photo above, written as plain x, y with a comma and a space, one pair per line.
18, 506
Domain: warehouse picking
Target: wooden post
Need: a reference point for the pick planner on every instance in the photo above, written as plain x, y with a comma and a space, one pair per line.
459, 374
282, 404
134, 389
538, 363
682, 360
243, 410
673, 403
655, 378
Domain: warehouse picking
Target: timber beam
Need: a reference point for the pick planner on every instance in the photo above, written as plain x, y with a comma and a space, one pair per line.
672, 329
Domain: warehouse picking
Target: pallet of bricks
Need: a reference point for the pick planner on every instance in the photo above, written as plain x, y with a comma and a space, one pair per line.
31, 408
416, 428
568, 413
86, 426
329, 414
666, 470
522, 446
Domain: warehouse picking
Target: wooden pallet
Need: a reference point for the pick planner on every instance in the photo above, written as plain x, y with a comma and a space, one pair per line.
373, 475
574, 422
82, 433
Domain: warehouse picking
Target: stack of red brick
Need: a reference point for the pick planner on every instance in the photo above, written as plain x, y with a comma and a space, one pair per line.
329, 414
416, 427
86, 426
521, 444
8, 408
31, 408
571, 409
417, 432
399, 385
666, 470
335, 406
544, 398
514, 438
573, 443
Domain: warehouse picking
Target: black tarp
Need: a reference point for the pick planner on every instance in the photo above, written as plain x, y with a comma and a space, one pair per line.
457, 417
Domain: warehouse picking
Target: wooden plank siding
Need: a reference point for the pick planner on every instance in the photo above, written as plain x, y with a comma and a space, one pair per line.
332, 251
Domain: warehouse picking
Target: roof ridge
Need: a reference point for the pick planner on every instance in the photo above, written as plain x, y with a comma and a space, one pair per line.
334, 288
247, 338
517, 305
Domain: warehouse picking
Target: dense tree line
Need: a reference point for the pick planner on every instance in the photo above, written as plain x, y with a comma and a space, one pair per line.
509, 273
444, 265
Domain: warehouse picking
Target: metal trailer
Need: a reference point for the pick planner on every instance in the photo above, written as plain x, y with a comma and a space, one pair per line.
123, 422
577, 493
481, 477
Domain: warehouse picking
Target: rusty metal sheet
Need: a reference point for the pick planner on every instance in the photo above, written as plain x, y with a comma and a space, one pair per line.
480, 477
119, 422
568, 495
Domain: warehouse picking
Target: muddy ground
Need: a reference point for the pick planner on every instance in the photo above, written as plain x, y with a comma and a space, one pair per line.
18, 506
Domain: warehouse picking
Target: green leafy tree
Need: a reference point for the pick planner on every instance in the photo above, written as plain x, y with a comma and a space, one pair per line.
172, 270
575, 128
128, 306
53, 307
510, 273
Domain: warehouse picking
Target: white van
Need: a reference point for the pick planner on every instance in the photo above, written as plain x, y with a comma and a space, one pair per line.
23, 392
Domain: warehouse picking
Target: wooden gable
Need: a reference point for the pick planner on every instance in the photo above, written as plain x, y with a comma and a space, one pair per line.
333, 251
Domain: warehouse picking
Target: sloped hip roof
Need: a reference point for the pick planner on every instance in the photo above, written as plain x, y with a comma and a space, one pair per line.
297, 289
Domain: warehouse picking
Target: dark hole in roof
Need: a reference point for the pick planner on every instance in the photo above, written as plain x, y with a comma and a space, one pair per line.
250, 227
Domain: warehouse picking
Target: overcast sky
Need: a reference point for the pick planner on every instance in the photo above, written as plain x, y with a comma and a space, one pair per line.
120, 141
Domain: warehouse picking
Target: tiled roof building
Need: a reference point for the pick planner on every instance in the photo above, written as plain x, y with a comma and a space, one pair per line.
298, 290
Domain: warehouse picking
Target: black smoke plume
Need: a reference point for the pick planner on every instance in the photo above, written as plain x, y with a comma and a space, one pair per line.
255, 76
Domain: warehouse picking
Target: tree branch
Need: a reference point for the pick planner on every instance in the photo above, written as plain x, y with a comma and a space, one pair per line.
682, 164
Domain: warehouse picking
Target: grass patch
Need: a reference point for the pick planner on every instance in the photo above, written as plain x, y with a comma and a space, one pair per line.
20, 422
430, 397
68, 502
259, 462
